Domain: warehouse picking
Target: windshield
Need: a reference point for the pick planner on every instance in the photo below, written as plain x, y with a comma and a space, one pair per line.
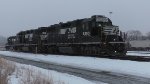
101, 19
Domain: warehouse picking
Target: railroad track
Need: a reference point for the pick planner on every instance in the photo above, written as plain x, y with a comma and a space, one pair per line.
125, 57
92, 75
128, 57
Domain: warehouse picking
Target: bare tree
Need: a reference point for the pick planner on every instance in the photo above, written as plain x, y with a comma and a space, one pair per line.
148, 35
134, 35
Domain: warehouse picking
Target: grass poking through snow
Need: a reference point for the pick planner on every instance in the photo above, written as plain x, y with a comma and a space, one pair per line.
6, 69
23, 75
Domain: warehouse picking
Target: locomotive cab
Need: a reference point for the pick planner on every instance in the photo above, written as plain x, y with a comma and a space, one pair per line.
109, 35
98, 22
11, 42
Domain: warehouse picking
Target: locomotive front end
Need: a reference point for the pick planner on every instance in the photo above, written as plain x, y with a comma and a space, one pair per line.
115, 40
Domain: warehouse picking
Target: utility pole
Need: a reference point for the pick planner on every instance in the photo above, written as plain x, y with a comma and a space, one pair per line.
110, 13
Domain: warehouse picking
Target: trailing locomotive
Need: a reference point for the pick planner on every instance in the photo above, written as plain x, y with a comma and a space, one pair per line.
90, 36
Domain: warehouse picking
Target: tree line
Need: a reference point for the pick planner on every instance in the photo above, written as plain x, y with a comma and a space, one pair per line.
137, 35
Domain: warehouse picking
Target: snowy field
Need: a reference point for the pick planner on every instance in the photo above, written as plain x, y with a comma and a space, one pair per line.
23, 71
97, 64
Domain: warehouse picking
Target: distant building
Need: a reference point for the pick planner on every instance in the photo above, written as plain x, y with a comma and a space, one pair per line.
2, 48
139, 45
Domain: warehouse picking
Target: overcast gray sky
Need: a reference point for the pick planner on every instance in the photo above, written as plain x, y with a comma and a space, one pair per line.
17, 15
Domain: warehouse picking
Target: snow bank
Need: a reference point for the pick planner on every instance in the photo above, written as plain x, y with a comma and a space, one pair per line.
93, 63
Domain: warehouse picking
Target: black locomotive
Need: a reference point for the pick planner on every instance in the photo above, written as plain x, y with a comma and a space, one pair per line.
90, 36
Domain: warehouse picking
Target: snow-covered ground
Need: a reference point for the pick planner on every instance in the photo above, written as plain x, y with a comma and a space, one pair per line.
139, 53
23, 71
92, 63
